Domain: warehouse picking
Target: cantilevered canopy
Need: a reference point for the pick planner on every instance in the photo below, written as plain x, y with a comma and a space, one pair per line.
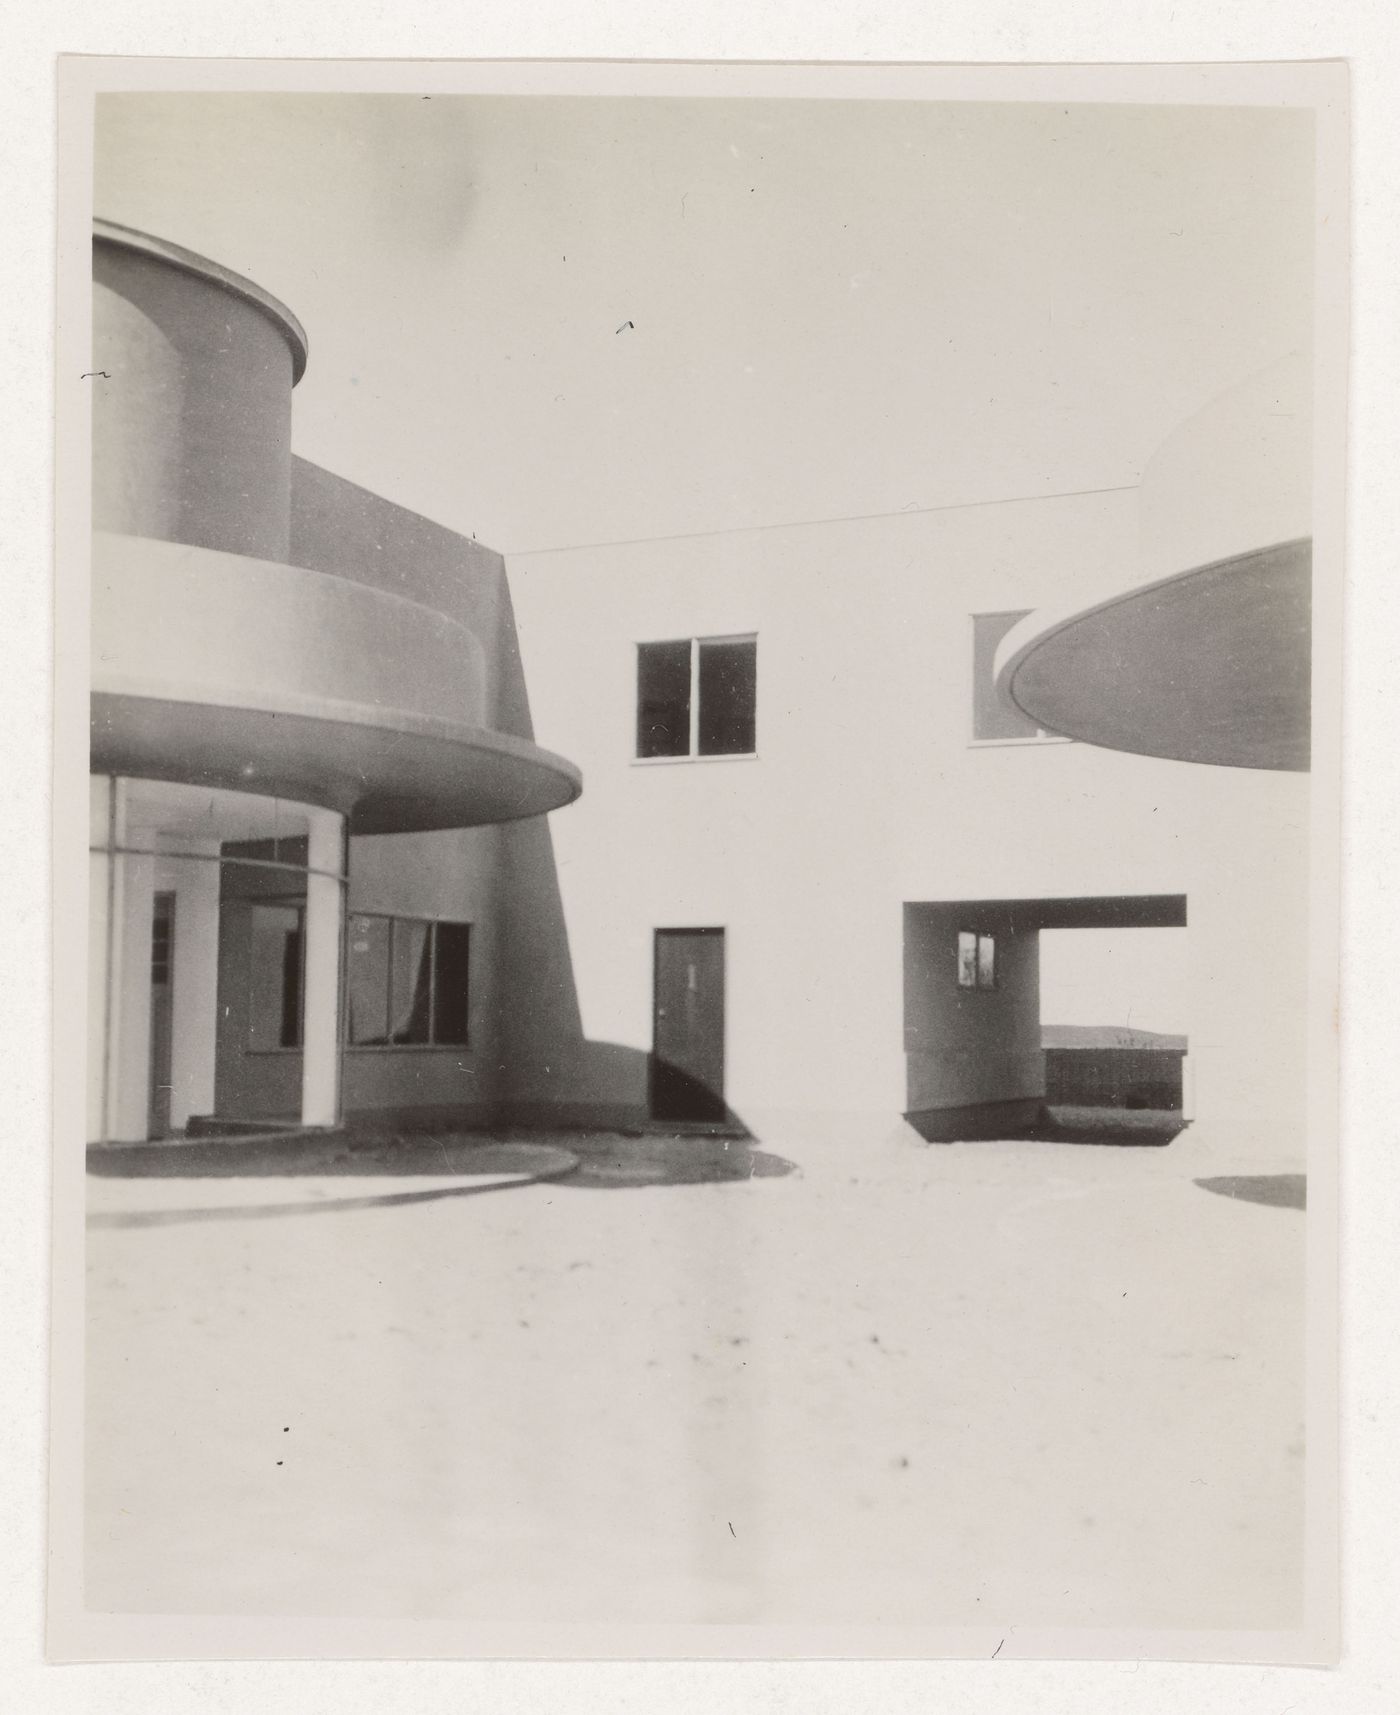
1209, 665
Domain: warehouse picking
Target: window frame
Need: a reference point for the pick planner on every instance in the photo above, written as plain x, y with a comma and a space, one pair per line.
977, 937
1042, 735
694, 754
431, 1046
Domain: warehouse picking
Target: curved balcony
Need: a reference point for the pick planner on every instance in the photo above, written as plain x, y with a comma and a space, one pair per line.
223, 670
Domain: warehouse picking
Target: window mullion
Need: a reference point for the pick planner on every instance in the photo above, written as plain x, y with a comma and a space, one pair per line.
695, 696
389, 982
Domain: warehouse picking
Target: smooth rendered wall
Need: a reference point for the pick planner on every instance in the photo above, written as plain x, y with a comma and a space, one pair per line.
191, 429
867, 793
99, 977
970, 1045
449, 876
341, 528
454, 875
195, 884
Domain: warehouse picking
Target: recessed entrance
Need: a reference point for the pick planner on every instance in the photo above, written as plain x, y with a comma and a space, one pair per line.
687, 1062
974, 1042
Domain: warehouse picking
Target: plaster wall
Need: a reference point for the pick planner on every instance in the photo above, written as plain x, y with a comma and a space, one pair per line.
970, 1046
195, 884
192, 420
866, 793
340, 528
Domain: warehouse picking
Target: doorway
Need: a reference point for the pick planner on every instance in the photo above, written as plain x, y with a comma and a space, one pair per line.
687, 1062
162, 1014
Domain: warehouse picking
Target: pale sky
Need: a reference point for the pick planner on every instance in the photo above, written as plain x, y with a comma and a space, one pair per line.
1132, 977
837, 308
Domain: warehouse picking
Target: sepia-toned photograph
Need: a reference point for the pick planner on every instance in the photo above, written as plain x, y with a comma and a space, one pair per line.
709, 944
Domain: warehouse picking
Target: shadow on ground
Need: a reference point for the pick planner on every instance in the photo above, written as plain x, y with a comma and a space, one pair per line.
621, 1161
117, 1220
1123, 1128
1279, 1190
589, 1160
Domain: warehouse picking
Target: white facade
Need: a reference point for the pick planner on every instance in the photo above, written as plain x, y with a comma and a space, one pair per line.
868, 793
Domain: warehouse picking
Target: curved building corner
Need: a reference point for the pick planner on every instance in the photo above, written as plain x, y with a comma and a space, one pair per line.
307, 722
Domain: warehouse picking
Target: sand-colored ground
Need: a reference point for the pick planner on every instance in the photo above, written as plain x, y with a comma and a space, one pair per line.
963, 1384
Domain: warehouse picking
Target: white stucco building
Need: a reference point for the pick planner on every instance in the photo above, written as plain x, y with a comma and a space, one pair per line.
819, 841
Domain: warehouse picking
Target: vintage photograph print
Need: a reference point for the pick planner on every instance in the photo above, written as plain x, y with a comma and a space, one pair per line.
709, 931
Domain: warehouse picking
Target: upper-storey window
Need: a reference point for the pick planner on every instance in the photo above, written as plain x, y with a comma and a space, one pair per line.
995, 718
696, 696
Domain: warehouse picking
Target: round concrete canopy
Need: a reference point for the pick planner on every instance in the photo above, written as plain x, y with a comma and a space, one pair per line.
408, 776
1210, 665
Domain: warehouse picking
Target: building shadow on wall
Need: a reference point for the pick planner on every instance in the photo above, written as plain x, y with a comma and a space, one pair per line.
554, 1075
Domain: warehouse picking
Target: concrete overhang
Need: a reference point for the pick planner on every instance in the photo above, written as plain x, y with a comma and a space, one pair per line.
1208, 665
386, 774
221, 670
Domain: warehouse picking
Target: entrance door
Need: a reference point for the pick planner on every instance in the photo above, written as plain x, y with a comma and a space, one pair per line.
687, 1064
162, 1005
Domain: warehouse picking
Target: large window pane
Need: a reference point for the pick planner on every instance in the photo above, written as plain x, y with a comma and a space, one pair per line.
368, 980
994, 715
663, 699
274, 977
450, 983
728, 676
409, 982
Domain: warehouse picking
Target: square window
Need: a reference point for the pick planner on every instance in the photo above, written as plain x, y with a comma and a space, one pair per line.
697, 696
407, 982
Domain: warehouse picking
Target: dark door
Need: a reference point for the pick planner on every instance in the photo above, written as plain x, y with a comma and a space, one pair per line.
162, 999
687, 1063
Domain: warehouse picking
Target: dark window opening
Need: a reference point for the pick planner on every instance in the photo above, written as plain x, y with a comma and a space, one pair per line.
162, 938
728, 681
275, 977
696, 696
407, 982
663, 699
450, 982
